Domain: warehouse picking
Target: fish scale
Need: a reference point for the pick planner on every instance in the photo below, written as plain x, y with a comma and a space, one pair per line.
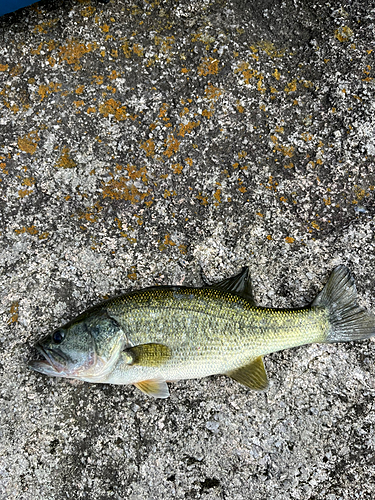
167, 333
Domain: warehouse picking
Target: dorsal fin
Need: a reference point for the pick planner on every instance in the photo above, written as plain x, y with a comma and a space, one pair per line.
239, 284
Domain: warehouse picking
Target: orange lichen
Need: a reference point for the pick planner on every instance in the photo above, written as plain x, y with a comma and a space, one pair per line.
112, 107
29, 142
270, 49
65, 161
14, 312
31, 230
177, 168
189, 161
172, 146
203, 199
343, 34
186, 129
289, 239
132, 275
4, 67
291, 87
122, 189
74, 50
212, 93
45, 90
209, 66
217, 196
149, 147
183, 249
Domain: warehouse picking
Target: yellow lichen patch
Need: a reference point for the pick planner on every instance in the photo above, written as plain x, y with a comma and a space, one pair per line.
74, 50
249, 73
3, 166
240, 108
359, 193
185, 70
24, 192
43, 27
31, 230
112, 107
284, 150
91, 109
270, 49
189, 161
307, 137
29, 142
289, 240
212, 93
172, 146
98, 79
280, 130
207, 113
121, 190
276, 74
65, 161
177, 168
43, 236
183, 249
138, 49
13, 107
203, 199
13, 312
186, 129
88, 11
327, 201
169, 241
217, 197
78, 104
315, 225
45, 90
149, 147
343, 34
132, 275
90, 214
291, 87
208, 66
4, 67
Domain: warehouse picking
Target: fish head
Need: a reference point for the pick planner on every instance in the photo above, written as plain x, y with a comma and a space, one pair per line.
86, 348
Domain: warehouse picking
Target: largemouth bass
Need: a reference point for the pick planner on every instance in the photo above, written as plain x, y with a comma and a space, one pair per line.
167, 333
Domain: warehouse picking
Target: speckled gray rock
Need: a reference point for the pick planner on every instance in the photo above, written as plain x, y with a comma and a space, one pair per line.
140, 143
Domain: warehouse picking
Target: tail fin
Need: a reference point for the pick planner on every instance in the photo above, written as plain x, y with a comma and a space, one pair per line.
348, 320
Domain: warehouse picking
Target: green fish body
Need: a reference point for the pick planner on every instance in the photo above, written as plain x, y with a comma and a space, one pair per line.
151, 336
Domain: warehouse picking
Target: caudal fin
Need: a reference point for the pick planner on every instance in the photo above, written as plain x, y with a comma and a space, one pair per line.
348, 320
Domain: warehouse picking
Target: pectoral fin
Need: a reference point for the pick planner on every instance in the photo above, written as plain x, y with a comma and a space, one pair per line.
252, 375
155, 388
149, 354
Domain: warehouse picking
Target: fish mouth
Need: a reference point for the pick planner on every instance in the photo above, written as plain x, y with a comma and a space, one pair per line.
49, 365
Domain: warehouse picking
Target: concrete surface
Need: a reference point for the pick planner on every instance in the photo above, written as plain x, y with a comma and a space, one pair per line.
142, 142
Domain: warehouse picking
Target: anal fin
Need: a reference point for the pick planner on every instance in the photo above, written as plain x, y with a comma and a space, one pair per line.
155, 388
252, 375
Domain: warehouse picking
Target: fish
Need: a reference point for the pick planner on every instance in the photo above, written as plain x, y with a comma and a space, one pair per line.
161, 334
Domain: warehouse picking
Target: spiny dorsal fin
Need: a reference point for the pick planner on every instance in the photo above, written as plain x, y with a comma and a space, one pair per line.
155, 388
149, 354
252, 375
240, 284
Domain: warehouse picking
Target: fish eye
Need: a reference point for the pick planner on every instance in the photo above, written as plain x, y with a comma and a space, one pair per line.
58, 336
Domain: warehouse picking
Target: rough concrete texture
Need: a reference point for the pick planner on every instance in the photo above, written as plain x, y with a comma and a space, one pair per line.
145, 141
